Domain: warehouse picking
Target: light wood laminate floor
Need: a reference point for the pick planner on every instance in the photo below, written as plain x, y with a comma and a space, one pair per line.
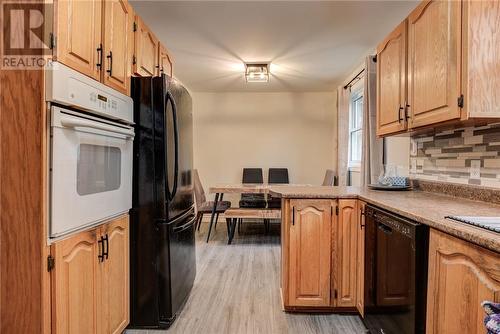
237, 290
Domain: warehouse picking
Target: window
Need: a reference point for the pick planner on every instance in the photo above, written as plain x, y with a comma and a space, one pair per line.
98, 169
356, 128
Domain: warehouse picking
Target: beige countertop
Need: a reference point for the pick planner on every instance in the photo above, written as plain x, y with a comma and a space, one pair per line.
424, 207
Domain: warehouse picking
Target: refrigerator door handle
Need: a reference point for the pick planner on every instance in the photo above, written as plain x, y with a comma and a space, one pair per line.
178, 219
184, 226
169, 97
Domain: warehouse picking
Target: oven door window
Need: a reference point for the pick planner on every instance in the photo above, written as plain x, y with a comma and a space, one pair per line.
98, 169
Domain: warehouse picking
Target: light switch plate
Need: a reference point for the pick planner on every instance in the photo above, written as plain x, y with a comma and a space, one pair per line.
475, 169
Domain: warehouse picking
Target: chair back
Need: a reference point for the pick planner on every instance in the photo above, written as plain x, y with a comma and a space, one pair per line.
330, 178
278, 175
199, 193
252, 175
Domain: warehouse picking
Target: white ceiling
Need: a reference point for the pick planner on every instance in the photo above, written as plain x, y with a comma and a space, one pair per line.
312, 45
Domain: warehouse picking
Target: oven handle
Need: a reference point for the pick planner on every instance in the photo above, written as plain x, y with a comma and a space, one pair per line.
80, 123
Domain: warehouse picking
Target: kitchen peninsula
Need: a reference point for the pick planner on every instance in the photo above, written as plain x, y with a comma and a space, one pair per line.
323, 251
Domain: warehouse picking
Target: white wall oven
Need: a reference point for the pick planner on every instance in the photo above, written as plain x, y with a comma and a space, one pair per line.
91, 145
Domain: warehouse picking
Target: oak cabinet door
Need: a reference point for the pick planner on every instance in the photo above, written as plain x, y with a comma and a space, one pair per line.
461, 276
115, 275
165, 64
145, 50
74, 284
360, 263
116, 44
310, 253
391, 82
78, 33
345, 249
481, 53
434, 48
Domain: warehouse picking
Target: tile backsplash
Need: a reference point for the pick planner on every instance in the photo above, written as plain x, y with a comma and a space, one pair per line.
468, 155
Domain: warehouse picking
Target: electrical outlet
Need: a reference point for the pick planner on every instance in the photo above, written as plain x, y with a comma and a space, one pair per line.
413, 168
413, 147
475, 169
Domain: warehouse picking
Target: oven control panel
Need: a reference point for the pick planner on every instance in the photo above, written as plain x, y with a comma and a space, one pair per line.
69, 87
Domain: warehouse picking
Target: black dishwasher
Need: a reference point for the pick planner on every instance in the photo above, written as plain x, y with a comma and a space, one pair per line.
396, 251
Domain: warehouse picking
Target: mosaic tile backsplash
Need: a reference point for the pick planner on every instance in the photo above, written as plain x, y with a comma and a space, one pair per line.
455, 155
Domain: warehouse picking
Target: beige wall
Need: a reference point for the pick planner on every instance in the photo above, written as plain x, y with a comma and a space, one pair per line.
397, 152
236, 130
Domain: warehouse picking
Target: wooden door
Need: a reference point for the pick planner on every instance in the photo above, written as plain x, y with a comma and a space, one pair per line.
75, 284
115, 275
434, 48
116, 44
480, 65
391, 82
78, 34
145, 50
360, 263
309, 253
165, 64
461, 276
345, 249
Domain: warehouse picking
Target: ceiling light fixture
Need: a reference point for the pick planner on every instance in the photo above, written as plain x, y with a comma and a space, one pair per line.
257, 72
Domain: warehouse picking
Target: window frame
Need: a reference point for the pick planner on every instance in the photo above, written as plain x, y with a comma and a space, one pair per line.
357, 93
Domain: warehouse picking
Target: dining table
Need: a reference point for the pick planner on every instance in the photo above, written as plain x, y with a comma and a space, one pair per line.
234, 188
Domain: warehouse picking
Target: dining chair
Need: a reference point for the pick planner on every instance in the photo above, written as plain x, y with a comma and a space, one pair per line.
276, 176
202, 205
330, 178
252, 175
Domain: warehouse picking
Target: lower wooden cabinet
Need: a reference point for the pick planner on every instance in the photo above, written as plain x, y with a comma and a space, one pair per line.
90, 280
75, 283
115, 278
461, 276
346, 248
360, 263
309, 253
319, 247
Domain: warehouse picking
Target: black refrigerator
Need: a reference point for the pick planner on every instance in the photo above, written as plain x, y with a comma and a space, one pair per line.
162, 243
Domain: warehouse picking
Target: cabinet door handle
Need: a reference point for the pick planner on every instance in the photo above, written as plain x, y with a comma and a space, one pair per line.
407, 114
361, 225
110, 57
101, 249
106, 249
293, 215
99, 57
400, 118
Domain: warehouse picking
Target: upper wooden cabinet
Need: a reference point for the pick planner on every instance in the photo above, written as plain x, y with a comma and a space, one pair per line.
434, 49
345, 245
165, 63
461, 276
90, 280
360, 264
391, 82
480, 59
116, 44
310, 253
145, 50
453, 72
78, 32
92, 39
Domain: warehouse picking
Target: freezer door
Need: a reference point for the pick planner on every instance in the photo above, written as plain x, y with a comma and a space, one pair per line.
177, 264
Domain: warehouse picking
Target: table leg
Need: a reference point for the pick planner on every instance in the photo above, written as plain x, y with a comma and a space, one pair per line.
217, 216
216, 200
233, 228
